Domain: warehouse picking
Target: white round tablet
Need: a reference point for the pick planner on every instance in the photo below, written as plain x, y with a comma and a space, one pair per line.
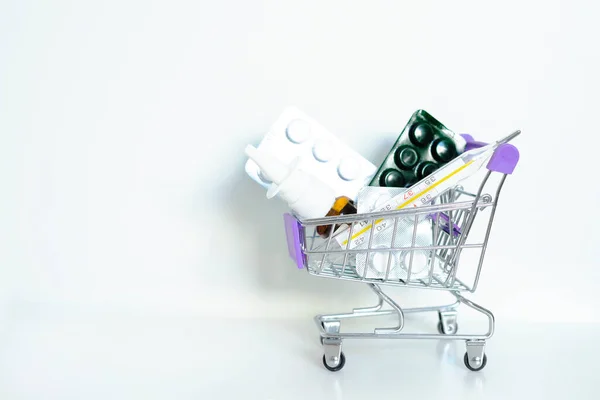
348, 168
379, 262
419, 262
323, 150
298, 131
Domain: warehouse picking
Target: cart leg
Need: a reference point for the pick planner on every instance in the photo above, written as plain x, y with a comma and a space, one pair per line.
374, 288
484, 311
333, 358
398, 311
475, 358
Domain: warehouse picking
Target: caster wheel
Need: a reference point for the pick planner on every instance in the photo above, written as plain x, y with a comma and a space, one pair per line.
440, 328
480, 367
339, 366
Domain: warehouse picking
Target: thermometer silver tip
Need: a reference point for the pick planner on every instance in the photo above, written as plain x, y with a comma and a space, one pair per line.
509, 137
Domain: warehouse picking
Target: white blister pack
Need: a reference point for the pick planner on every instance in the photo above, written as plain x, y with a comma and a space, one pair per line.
322, 154
370, 199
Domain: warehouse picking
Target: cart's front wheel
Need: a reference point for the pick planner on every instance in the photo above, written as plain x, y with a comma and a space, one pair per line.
475, 365
340, 364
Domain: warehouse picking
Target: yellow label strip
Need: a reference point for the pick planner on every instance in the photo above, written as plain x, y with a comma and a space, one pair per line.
450, 175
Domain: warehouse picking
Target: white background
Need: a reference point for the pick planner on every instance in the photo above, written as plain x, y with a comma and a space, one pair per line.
123, 125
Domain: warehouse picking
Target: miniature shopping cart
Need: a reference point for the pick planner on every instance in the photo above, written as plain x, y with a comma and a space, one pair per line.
450, 221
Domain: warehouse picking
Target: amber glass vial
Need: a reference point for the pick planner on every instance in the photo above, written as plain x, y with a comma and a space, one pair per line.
343, 205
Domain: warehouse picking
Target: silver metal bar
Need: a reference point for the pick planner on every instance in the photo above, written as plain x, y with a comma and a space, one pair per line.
370, 310
463, 192
410, 336
376, 312
397, 283
436, 231
443, 246
395, 307
460, 215
450, 227
404, 248
347, 248
412, 245
487, 233
314, 235
466, 229
474, 208
467, 287
327, 249
368, 249
405, 212
322, 262
445, 284
455, 268
453, 240
395, 333
477, 307
390, 256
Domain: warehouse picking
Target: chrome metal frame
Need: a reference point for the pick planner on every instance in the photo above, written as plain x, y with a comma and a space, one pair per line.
325, 258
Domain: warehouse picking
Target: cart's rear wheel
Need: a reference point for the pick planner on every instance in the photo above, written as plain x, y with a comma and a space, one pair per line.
477, 368
452, 331
447, 324
337, 367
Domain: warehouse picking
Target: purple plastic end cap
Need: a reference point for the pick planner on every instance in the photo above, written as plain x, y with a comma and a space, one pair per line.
293, 231
471, 143
504, 159
443, 222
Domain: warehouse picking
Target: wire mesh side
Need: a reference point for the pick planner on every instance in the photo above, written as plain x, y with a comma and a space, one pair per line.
405, 258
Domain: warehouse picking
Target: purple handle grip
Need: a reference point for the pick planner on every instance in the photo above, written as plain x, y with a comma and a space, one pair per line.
293, 232
504, 159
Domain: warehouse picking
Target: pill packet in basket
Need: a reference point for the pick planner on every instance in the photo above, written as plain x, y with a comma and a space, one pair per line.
295, 134
422, 193
373, 199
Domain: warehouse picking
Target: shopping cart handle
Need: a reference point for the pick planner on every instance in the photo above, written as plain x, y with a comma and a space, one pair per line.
504, 159
293, 232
